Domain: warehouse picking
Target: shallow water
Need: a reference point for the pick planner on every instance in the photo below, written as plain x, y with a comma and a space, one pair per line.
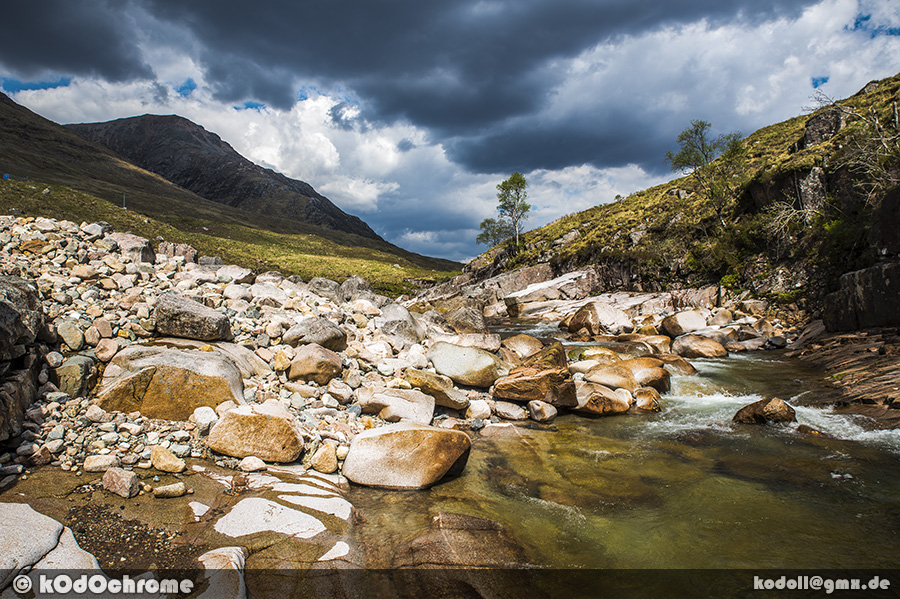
683, 488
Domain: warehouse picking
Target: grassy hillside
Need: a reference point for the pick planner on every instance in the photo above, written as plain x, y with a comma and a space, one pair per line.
776, 241
306, 255
88, 182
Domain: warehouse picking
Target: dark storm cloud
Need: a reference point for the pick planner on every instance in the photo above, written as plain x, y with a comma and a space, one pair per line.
61, 37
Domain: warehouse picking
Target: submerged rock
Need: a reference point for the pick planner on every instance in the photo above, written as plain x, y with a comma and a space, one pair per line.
765, 411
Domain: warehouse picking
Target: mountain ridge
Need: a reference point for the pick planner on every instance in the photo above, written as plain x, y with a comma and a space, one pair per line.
198, 160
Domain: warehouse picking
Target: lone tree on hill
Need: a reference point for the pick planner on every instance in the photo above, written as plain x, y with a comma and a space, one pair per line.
715, 165
513, 211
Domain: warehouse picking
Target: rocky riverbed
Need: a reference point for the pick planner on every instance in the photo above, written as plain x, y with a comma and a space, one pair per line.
220, 416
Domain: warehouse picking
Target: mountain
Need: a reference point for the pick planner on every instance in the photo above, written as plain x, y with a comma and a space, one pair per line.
88, 181
190, 156
817, 197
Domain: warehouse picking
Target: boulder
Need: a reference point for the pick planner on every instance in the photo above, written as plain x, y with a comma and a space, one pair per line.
680, 323
164, 460
765, 411
325, 288
356, 288
466, 319
325, 459
25, 537
466, 365
647, 398
675, 364
76, 376
661, 344
21, 315
100, 463
541, 411
544, 376
134, 247
168, 383
316, 330
393, 405
180, 316
648, 372
600, 318
612, 376
698, 346
121, 482
509, 411
268, 431
599, 400
523, 345
313, 362
439, 387
406, 456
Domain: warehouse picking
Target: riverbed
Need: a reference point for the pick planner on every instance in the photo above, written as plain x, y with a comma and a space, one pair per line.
681, 488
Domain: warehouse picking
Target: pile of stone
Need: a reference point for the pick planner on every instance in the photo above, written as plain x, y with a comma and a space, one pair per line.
139, 355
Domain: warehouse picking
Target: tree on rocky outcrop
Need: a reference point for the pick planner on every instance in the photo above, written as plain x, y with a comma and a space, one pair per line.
512, 209
714, 164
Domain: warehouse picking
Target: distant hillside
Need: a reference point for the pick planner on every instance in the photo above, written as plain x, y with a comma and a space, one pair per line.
803, 216
88, 181
190, 156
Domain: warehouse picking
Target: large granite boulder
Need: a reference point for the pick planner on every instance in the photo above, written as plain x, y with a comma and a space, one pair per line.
180, 316
406, 456
160, 382
543, 376
680, 323
268, 431
698, 346
397, 405
600, 318
316, 330
599, 400
467, 365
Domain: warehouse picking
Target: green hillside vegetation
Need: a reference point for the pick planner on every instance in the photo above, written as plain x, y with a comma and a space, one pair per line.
306, 255
670, 234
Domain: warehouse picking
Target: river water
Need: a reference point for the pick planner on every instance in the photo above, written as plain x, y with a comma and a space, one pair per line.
682, 488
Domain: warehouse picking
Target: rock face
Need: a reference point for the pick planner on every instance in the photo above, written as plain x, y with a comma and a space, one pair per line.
765, 411
268, 431
466, 365
21, 316
168, 383
867, 298
697, 346
544, 376
406, 456
179, 316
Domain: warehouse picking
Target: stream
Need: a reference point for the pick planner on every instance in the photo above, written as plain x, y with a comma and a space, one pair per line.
682, 488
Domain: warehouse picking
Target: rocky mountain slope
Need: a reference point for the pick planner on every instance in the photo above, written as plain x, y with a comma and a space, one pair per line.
805, 215
190, 156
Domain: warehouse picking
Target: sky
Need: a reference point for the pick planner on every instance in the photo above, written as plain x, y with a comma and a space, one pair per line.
408, 113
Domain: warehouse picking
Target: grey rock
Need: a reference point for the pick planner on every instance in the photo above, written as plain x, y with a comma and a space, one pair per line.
179, 316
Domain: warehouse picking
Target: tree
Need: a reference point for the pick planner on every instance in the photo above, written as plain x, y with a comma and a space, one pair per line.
494, 231
512, 208
715, 165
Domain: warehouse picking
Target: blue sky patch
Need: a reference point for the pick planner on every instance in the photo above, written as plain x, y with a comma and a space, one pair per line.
11, 85
184, 90
251, 105
818, 82
864, 23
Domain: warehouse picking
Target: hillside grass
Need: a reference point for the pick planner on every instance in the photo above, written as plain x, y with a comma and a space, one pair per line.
670, 233
292, 254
